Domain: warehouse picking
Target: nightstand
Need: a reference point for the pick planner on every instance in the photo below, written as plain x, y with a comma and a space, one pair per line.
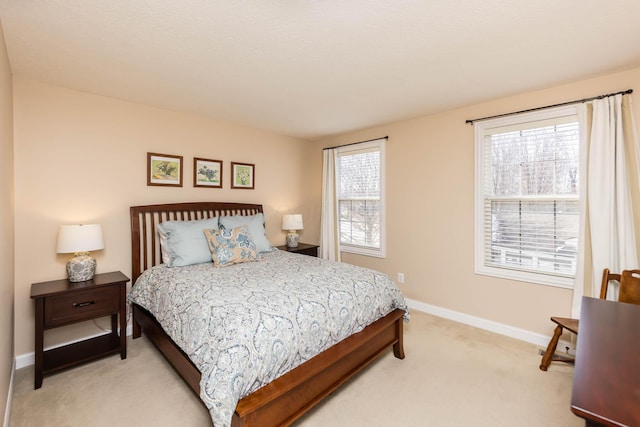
60, 302
303, 248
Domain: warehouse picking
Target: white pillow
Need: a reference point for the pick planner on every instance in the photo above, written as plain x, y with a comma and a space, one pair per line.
183, 242
255, 223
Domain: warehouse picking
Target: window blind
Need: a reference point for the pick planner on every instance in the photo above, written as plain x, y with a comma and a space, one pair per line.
359, 198
531, 196
360, 194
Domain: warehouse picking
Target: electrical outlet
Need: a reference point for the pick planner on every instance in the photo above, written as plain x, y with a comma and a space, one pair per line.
400, 277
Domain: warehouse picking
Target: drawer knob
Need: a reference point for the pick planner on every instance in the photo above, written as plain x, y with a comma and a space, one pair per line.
82, 304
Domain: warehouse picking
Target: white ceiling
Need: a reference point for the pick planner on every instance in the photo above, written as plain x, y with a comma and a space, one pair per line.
314, 68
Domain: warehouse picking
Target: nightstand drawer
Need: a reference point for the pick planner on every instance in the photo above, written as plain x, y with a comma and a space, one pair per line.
302, 249
313, 251
81, 305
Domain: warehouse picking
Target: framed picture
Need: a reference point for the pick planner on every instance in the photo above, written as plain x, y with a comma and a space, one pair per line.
242, 175
207, 173
164, 169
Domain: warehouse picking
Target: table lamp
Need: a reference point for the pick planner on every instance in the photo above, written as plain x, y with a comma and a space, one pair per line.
292, 222
79, 240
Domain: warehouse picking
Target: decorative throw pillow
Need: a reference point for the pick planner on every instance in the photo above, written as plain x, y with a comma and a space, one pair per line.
231, 246
256, 228
182, 242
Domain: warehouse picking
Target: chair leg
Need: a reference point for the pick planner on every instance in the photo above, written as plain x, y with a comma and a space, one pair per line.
551, 348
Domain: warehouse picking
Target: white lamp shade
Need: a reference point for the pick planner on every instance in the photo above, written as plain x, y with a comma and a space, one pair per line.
79, 238
292, 222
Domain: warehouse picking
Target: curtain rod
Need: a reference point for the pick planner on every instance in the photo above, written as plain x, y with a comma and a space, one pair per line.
624, 92
354, 143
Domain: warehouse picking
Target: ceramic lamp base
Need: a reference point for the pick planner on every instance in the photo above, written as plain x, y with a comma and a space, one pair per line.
293, 239
81, 268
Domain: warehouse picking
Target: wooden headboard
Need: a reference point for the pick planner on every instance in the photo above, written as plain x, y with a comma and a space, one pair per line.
145, 244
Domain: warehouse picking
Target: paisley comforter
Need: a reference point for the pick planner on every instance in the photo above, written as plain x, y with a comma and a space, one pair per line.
247, 324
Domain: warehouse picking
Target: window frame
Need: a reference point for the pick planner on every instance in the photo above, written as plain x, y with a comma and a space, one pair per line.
374, 145
481, 128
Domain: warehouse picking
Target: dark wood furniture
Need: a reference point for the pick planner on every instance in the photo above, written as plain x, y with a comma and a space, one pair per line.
302, 248
629, 281
60, 302
606, 381
288, 397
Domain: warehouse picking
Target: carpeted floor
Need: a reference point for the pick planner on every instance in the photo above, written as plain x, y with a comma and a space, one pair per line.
453, 375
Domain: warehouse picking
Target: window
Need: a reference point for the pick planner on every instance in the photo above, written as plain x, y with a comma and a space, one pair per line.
527, 196
360, 193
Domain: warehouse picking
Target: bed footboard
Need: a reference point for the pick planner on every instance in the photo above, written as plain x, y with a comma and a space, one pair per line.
288, 397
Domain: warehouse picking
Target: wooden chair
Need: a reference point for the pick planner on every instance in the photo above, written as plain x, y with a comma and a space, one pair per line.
629, 293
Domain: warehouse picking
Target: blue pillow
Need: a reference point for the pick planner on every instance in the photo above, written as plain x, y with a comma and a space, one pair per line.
183, 243
255, 223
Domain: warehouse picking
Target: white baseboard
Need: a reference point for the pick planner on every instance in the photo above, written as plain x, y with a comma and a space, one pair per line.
478, 322
7, 409
28, 359
488, 325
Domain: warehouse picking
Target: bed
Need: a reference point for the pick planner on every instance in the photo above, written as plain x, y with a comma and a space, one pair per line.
288, 396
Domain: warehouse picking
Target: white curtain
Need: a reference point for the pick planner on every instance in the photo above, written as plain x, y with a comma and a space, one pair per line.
329, 237
609, 233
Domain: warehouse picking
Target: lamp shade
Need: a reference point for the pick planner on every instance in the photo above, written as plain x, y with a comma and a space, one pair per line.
79, 238
292, 222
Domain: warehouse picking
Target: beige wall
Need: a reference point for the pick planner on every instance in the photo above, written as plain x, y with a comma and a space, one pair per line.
81, 158
430, 213
6, 225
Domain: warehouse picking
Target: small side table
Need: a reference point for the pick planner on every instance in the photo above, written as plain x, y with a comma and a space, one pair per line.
60, 302
302, 248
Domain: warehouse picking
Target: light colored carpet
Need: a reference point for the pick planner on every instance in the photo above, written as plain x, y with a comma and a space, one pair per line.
453, 375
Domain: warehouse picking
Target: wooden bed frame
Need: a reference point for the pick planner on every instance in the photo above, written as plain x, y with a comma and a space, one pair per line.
288, 397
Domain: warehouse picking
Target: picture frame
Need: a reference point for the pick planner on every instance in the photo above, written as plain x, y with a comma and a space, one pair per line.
242, 175
207, 173
164, 170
